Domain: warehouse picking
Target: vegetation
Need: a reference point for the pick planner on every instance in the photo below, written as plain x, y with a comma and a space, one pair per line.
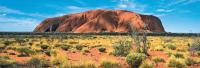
82, 51
109, 64
135, 59
37, 63
65, 47
25, 51
177, 63
189, 61
102, 49
44, 46
158, 59
171, 46
179, 55
146, 64
79, 47
121, 48
7, 62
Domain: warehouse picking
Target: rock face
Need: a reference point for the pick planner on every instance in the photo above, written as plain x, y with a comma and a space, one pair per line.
101, 21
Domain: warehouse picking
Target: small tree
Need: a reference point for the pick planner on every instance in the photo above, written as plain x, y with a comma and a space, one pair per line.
140, 41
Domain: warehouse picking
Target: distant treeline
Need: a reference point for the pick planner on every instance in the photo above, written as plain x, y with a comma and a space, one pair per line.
103, 33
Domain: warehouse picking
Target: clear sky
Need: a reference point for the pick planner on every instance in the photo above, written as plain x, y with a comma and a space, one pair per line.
24, 15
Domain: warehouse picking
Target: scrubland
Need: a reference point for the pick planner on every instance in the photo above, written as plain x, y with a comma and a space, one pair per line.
98, 51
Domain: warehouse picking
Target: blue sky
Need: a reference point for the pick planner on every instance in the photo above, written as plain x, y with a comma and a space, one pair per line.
24, 15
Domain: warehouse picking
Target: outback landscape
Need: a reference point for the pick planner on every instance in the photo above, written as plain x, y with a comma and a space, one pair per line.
122, 40
99, 34
98, 51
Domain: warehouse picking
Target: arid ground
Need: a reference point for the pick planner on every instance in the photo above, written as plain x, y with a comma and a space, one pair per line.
101, 51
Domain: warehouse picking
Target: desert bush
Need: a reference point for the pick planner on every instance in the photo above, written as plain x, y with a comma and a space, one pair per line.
179, 55
44, 46
189, 61
79, 47
121, 48
65, 47
135, 59
146, 64
73, 42
158, 48
37, 63
181, 49
171, 46
195, 46
158, 59
109, 64
4, 57
86, 50
198, 53
7, 43
20, 40
177, 63
169, 53
6, 62
25, 51
102, 49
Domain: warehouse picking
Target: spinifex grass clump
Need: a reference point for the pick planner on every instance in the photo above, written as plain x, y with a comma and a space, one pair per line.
176, 62
109, 64
79, 47
37, 63
25, 51
171, 46
65, 47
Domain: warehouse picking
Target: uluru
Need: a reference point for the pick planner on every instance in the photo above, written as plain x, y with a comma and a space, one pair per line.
101, 21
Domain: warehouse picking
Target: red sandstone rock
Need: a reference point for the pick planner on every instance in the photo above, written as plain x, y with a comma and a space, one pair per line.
101, 21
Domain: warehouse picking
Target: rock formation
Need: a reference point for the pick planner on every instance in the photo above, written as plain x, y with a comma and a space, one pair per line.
101, 21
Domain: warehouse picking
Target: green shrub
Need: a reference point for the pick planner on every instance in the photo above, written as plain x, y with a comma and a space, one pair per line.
189, 61
198, 53
158, 59
135, 59
37, 63
146, 65
109, 64
158, 48
86, 50
181, 49
195, 46
121, 48
7, 43
4, 57
65, 47
79, 47
169, 53
102, 49
177, 63
44, 46
171, 46
25, 51
179, 55
6, 62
